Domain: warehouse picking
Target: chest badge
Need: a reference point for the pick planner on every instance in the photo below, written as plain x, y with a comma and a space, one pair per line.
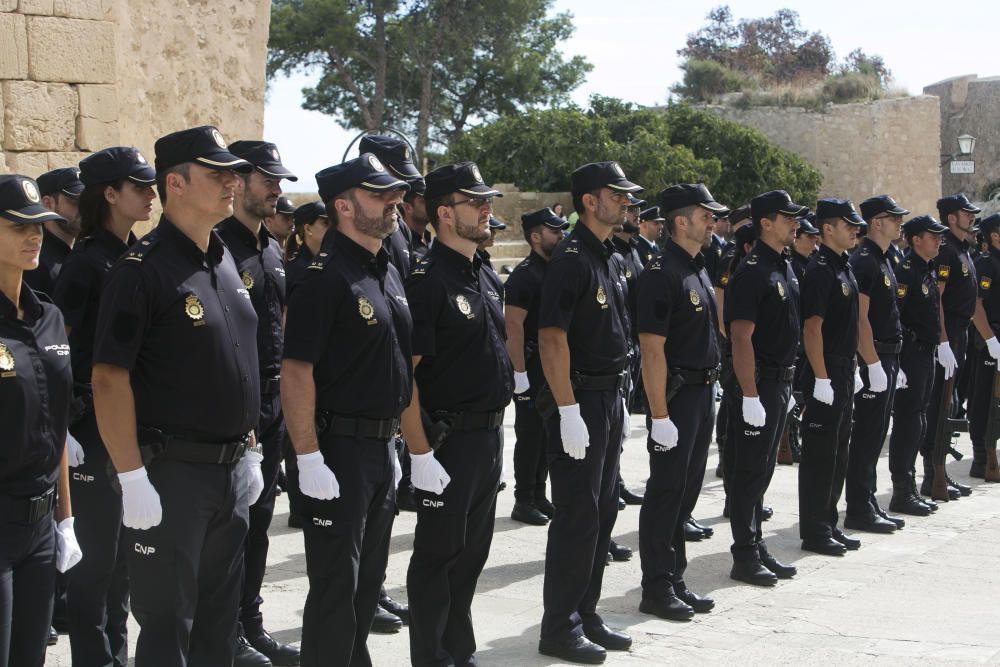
601, 297
965, 269
885, 279
925, 290
985, 282
463, 306
781, 290
247, 279
6, 362
695, 299
367, 310
194, 310
844, 288
725, 279
901, 291
944, 272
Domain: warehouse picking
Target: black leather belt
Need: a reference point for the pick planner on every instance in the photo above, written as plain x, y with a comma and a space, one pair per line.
470, 421
355, 427
181, 448
778, 373
270, 386
31, 510
888, 346
583, 382
699, 377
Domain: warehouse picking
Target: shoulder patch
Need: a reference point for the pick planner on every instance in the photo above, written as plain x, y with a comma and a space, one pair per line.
943, 271
143, 247
901, 290
985, 282
319, 261
420, 268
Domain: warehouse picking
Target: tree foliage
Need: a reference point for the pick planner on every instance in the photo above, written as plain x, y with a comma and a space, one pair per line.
657, 147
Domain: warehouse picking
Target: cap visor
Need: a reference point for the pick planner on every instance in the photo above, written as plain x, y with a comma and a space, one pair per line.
481, 190
855, 220
497, 225
224, 161
276, 170
144, 175
972, 209
714, 207
624, 186
29, 215
73, 189
793, 209
404, 170
383, 182
899, 210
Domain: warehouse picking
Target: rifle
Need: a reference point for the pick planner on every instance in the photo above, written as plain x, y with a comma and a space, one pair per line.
945, 426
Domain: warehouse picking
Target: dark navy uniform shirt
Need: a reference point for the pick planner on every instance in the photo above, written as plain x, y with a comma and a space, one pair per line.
524, 290
181, 321
418, 245
676, 301
50, 261
459, 330
876, 279
988, 272
723, 270
799, 263
78, 295
647, 250
296, 268
713, 254
956, 271
630, 266
350, 319
584, 296
830, 291
36, 384
918, 298
263, 276
397, 245
896, 256
765, 291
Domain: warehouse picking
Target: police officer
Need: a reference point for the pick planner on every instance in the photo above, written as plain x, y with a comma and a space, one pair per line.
311, 225
348, 326
176, 338
805, 244
258, 259
880, 340
543, 230
919, 303
282, 223
762, 320
583, 328
830, 336
986, 349
60, 190
416, 226
679, 336
118, 193
35, 392
650, 230
453, 424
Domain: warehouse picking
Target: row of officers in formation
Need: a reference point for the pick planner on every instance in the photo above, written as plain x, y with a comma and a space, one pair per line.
160, 382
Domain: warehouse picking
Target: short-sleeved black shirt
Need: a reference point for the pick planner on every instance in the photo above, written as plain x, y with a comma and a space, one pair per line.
799, 263
630, 265
50, 261
988, 272
181, 321
896, 256
397, 245
459, 330
877, 280
723, 270
918, 298
765, 291
713, 254
647, 250
263, 275
676, 301
417, 244
584, 296
78, 295
830, 291
958, 274
36, 385
296, 268
524, 290
350, 319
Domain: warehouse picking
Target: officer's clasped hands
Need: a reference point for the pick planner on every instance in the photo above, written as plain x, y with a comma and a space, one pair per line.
753, 411
823, 391
947, 359
316, 480
427, 473
664, 432
572, 428
140, 501
877, 380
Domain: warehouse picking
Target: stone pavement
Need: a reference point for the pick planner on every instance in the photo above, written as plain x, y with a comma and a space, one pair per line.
927, 594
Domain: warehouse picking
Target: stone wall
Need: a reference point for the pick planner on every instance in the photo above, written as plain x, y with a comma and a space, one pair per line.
80, 75
882, 147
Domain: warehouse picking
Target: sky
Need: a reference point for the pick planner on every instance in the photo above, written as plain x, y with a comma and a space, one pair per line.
633, 45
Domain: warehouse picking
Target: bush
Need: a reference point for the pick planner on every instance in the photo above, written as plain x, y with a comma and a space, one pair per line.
705, 80
851, 87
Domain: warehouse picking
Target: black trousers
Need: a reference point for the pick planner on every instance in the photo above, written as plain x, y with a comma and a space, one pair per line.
347, 547
585, 494
675, 478
530, 467
750, 456
271, 436
958, 337
826, 435
97, 588
871, 423
451, 543
982, 371
27, 586
185, 573
909, 423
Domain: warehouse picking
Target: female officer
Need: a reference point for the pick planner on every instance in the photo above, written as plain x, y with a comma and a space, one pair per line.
118, 192
311, 224
35, 391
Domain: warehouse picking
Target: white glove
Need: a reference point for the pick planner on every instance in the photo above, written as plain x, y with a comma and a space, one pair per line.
397, 471
575, 438
427, 473
664, 432
823, 391
140, 501
947, 359
791, 404
993, 345
901, 381
521, 383
74, 450
255, 474
316, 480
877, 379
753, 411
859, 384
68, 552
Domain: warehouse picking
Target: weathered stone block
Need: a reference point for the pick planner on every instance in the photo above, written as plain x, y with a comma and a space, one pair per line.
93, 135
8, 5
3, 164
82, 9
99, 102
27, 164
42, 7
71, 50
59, 160
39, 116
13, 47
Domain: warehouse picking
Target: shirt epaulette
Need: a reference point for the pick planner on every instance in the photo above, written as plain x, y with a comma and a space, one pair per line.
139, 250
420, 268
320, 260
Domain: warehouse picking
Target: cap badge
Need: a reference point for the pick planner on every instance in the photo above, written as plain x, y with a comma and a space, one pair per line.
30, 191
406, 152
463, 306
193, 308
139, 158
247, 279
601, 297
367, 310
618, 169
376, 165
476, 175
6, 360
844, 288
218, 139
695, 299
274, 154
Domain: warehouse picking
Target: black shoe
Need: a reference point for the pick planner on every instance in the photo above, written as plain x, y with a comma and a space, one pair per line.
385, 623
529, 514
753, 572
872, 523
692, 534
405, 501
671, 608
826, 546
977, 470
397, 609
611, 640
629, 497
53, 637
850, 543
766, 512
294, 520
247, 656
621, 504
927, 502
573, 649
707, 530
964, 489
619, 552
781, 571
700, 604
280, 655
900, 523
545, 506
718, 471
908, 504
501, 487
